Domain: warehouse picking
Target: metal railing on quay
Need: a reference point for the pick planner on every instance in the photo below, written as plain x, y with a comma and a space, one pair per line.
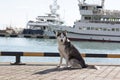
18, 55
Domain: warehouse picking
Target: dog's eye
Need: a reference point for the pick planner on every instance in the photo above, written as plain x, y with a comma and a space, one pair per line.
64, 34
58, 34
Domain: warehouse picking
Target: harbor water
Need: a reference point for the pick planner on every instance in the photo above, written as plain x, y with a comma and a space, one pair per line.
50, 45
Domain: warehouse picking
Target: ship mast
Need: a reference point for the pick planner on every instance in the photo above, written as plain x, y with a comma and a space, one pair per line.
102, 3
54, 7
81, 2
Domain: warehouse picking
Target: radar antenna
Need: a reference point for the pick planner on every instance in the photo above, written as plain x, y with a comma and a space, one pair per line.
81, 2
54, 7
102, 3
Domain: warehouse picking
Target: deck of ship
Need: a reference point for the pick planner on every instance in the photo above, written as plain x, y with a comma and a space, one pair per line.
48, 71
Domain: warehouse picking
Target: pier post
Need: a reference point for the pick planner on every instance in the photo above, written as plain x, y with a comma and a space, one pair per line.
18, 61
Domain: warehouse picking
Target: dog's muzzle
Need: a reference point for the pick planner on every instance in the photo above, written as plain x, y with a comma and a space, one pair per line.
61, 40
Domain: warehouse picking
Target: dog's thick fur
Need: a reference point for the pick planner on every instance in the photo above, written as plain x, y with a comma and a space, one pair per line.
69, 52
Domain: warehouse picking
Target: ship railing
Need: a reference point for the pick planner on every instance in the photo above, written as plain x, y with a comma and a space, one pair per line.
112, 12
18, 55
111, 22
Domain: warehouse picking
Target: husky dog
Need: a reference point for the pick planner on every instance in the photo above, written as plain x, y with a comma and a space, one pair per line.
67, 51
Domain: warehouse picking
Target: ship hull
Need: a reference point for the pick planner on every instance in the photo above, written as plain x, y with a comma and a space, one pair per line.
93, 37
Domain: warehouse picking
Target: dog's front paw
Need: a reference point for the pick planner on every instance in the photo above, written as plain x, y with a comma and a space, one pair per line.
67, 67
58, 66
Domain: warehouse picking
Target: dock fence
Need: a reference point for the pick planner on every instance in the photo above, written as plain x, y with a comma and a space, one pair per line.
51, 54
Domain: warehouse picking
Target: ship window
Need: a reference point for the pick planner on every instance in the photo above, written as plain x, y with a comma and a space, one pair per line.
74, 26
88, 28
97, 28
99, 6
44, 27
49, 20
61, 22
87, 18
117, 29
113, 29
109, 29
41, 19
80, 28
84, 8
92, 28
104, 29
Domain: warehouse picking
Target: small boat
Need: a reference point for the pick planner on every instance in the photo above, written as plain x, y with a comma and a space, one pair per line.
8, 32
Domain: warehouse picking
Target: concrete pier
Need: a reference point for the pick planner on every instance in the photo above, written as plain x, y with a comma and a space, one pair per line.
48, 71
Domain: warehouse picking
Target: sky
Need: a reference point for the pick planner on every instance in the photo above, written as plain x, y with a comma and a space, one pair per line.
17, 13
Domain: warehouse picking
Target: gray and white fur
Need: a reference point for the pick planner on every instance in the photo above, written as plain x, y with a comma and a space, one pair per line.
69, 52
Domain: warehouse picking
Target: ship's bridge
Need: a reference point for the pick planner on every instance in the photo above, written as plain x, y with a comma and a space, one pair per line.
90, 11
49, 19
86, 9
96, 12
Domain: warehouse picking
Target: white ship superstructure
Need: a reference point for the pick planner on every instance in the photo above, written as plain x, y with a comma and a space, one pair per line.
96, 24
43, 24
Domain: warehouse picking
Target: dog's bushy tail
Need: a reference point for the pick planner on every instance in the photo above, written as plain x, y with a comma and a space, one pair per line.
93, 67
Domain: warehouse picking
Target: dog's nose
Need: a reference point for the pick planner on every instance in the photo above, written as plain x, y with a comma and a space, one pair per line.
61, 40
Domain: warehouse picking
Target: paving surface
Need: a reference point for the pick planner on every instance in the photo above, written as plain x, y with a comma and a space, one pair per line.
50, 72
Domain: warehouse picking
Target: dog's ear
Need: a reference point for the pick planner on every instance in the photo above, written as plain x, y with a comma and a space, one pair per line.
57, 33
65, 33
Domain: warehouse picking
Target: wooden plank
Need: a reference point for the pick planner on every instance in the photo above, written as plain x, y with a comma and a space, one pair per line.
106, 71
113, 73
83, 54
113, 55
118, 73
33, 54
48, 72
